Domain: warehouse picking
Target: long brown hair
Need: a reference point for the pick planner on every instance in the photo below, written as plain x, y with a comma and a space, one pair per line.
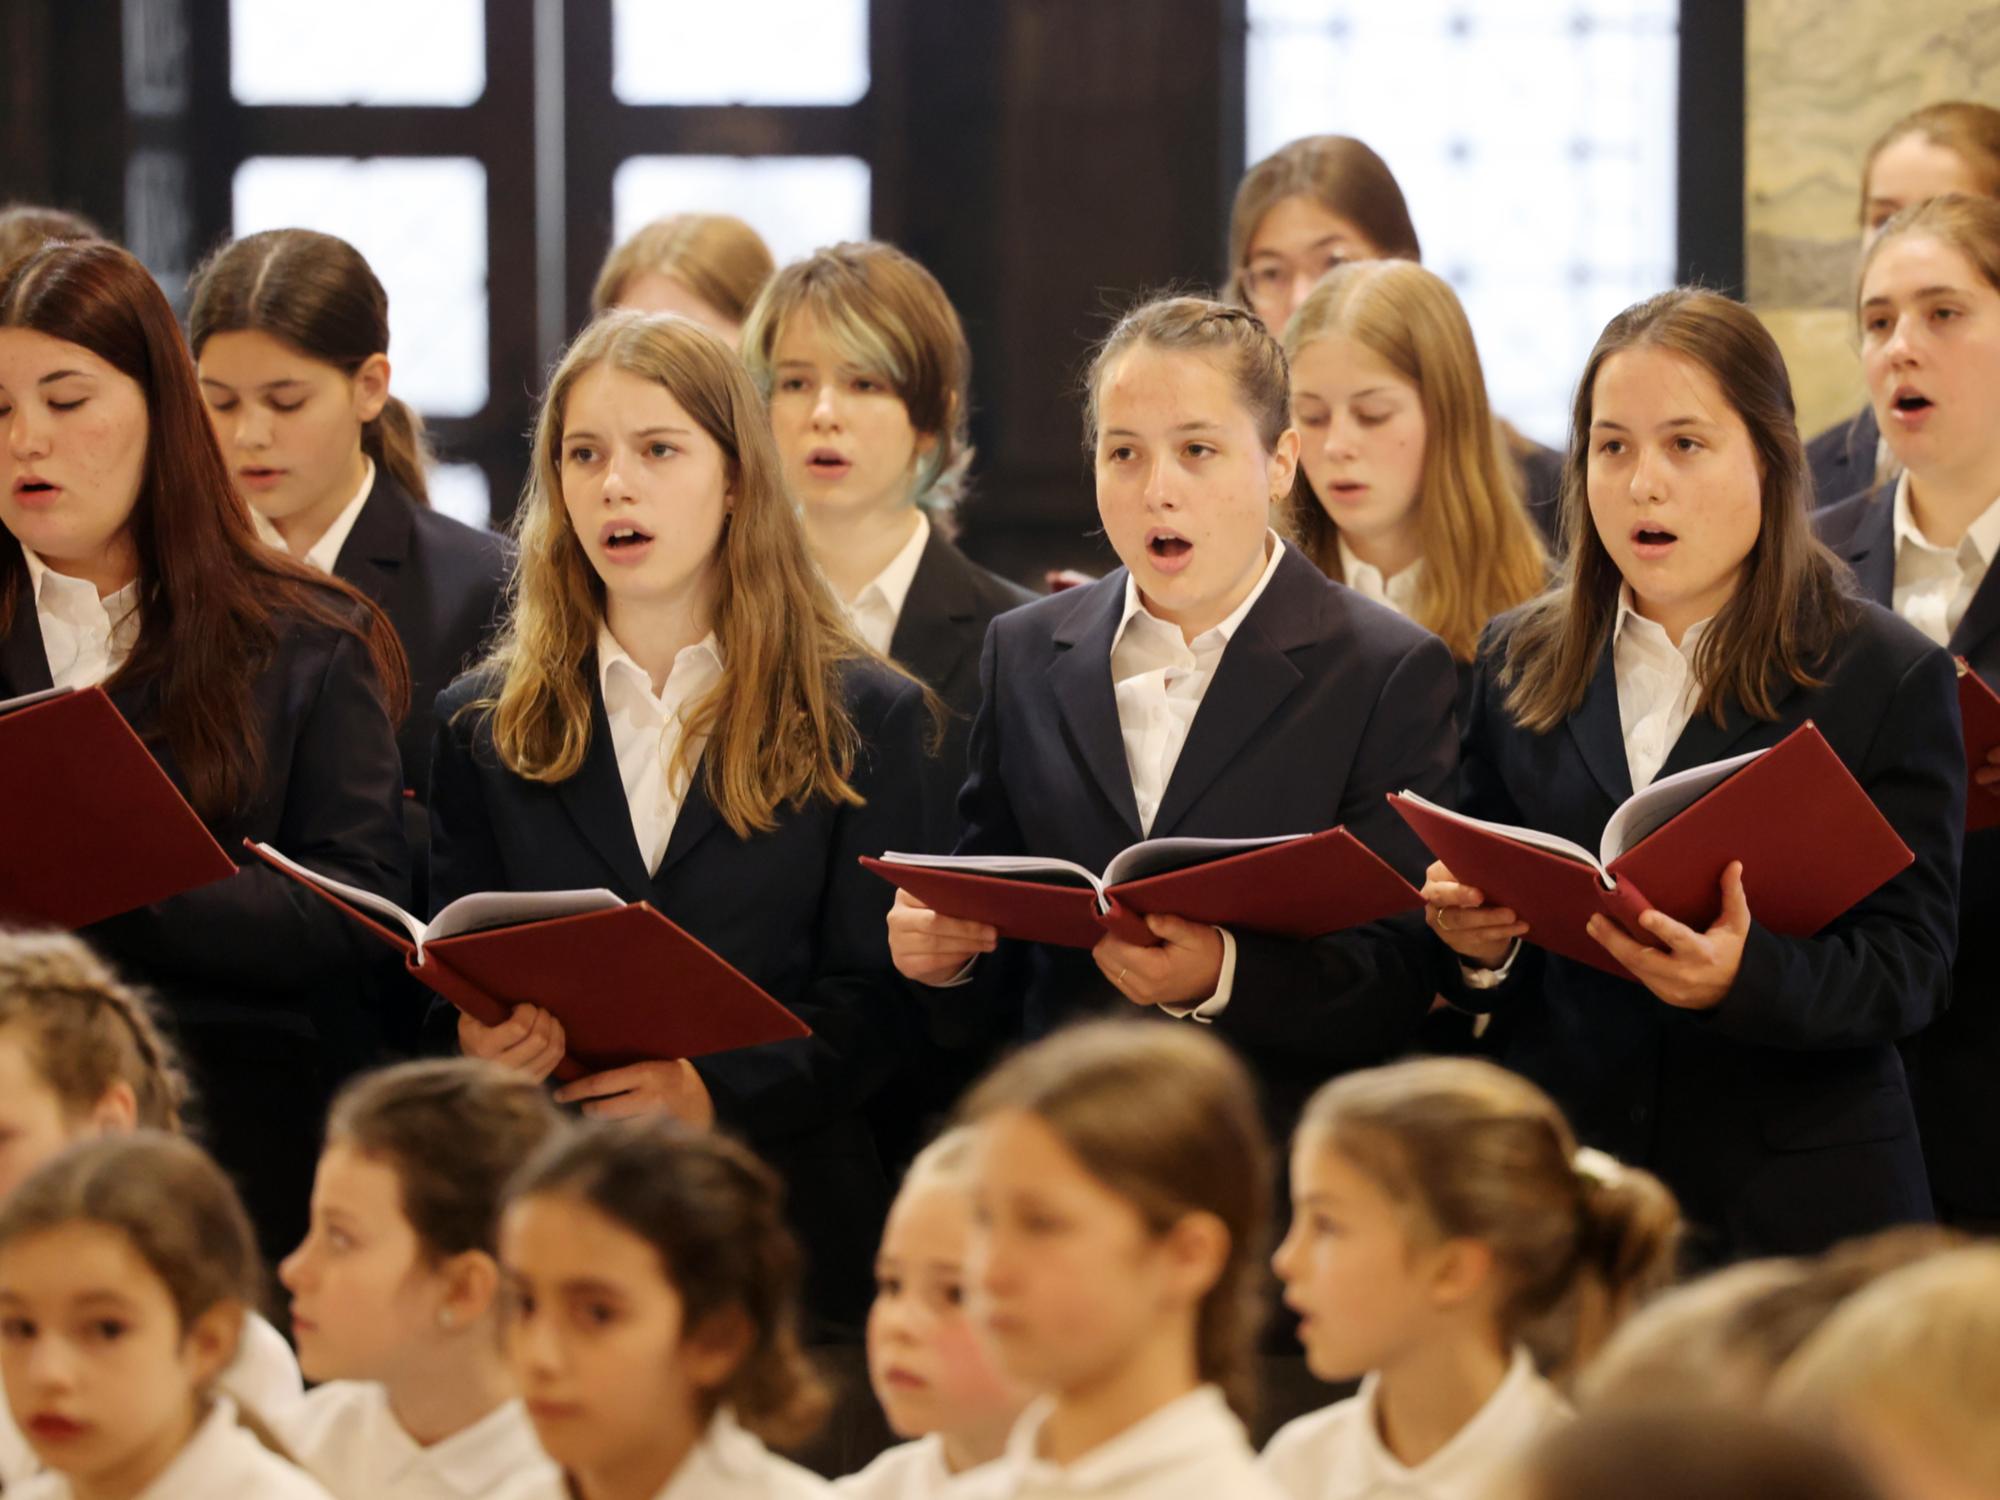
714, 1214
889, 317
1339, 173
776, 725
1234, 337
1471, 1151
1971, 131
88, 1029
719, 258
1166, 1117
318, 294
1792, 606
213, 600
1482, 555
1971, 226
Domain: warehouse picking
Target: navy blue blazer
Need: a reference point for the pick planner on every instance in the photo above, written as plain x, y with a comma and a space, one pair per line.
274, 993
938, 635
1957, 1060
791, 908
1782, 1116
1842, 459
1323, 703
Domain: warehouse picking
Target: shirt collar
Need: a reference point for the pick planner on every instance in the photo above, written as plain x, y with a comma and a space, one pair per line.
1983, 534
1216, 636
614, 662
482, 1457
59, 593
1399, 592
1182, 1429
325, 552
1520, 1407
1650, 634
892, 584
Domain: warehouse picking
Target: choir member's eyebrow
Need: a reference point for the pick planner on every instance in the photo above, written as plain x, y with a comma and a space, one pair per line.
1336, 238
1921, 294
1203, 425
650, 432
54, 375
1670, 425
269, 385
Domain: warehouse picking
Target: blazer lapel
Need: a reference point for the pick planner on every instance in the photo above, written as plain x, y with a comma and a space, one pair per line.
696, 817
1599, 731
1080, 678
595, 800
24, 662
930, 640
1871, 551
1704, 741
1982, 616
1253, 678
373, 555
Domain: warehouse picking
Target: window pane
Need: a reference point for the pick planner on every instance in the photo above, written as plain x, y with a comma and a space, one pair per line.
798, 203
422, 224
1536, 144
461, 492
357, 52
723, 54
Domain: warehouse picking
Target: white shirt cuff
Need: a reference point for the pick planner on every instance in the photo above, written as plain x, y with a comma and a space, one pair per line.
1207, 1010
963, 976
1487, 979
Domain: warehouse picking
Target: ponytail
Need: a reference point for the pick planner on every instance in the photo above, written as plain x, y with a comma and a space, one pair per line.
1475, 1152
396, 440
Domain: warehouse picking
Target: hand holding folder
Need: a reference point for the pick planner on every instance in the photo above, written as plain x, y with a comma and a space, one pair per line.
1296, 885
1979, 707
1811, 842
627, 984
90, 825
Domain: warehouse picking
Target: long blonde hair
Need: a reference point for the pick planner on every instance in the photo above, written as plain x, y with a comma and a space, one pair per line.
1482, 555
776, 724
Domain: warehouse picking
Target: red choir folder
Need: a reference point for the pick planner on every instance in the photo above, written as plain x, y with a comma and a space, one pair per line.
1979, 707
1297, 885
1811, 842
627, 984
91, 826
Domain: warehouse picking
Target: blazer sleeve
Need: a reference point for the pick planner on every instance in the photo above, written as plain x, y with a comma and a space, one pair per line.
856, 1004
342, 815
1357, 997
1881, 972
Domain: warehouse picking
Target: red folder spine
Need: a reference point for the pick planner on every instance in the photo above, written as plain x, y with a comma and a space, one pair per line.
1624, 903
1127, 925
473, 1001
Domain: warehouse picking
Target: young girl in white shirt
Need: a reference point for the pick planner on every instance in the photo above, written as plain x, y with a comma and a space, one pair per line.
1120, 1198
1404, 491
127, 1266
936, 1380
82, 1056
1444, 1222
653, 1330
396, 1290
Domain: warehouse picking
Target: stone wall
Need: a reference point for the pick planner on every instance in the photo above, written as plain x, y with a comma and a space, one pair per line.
1823, 79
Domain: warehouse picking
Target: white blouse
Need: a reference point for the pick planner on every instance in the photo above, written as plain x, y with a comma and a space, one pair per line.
221, 1459
1338, 1454
731, 1464
1193, 1448
346, 1437
911, 1471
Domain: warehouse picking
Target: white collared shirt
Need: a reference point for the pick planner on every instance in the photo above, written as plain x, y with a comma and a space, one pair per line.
345, 1435
730, 1464
263, 1377
1193, 1448
646, 732
1934, 585
1338, 1453
222, 1458
1399, 592
911, 1471
325, 552
86, 638
876, 609
1657, 688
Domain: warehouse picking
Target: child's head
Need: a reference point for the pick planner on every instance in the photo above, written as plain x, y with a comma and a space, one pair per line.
80, 1053
865, 364
1121, 1192
404, 1242
29, 226
708, 267
1929, 317
1907, 1372
1306, 208
126, 1267
1674, 1452
930, 1370
1949, 147
290, 332
1399, 448
1447, 1197
1188, 421
653, 1282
